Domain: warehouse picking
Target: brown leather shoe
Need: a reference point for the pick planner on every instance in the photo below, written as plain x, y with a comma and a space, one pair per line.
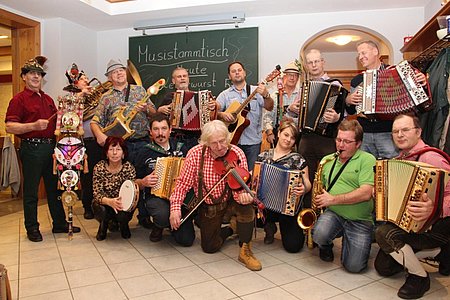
156, 234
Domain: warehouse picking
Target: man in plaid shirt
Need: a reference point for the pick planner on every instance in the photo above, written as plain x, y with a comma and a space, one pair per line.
198, 170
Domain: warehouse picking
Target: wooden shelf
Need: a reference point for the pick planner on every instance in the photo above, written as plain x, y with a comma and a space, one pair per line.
425, 45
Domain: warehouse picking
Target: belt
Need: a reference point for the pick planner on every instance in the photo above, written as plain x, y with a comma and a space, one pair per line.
37, 140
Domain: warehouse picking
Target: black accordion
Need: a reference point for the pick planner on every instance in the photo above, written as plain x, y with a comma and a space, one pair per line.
317, 98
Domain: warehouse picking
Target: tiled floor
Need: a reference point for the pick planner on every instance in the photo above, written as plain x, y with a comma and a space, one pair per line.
139, 269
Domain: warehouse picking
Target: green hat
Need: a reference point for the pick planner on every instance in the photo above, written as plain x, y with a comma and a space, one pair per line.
34, 64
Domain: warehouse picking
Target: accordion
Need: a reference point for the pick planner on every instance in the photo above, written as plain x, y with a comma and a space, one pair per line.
190, 110
390, 92
167, 169
398, 181
317, 97
273, 186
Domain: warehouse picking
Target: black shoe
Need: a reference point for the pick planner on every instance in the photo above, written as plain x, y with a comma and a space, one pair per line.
125, 230
156, 234
146, 223
75, 229
414, 287
270, 229
113, 226
34, 235
444, 260
326, 254
88, 214
102, 229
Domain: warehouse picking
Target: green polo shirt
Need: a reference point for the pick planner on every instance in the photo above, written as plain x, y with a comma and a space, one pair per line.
359, 171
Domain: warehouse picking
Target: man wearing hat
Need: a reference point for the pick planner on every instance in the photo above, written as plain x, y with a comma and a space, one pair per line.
31, 115
128, 95
289, 84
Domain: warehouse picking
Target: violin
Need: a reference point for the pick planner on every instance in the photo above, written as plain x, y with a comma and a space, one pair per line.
238, 177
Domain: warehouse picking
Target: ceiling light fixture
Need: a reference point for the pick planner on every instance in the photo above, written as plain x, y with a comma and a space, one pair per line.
342, 40
4, 37
234, 18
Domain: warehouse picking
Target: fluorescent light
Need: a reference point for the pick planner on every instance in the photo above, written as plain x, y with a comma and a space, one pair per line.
4, 37
233, 18
342, 40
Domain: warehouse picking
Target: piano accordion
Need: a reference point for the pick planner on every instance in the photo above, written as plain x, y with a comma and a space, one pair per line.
397, 182
273, 186
167, 169
317, 97
390, 92
190, 110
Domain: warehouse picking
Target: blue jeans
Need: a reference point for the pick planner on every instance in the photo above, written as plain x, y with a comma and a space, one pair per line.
251, 153
379, 144
356, 239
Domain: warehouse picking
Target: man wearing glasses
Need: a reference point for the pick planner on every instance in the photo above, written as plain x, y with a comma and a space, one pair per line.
347, 181
400, 250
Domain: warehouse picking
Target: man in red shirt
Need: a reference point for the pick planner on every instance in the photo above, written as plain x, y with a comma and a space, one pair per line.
200, 172
31, 116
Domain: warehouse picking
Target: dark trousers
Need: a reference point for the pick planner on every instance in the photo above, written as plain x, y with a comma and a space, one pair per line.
211, 217
36, 163
104, 213
292, 236
251, 153
159, 209
391, 238
94, 153
313, 148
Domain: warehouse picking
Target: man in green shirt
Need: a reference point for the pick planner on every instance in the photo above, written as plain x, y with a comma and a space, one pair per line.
345, 192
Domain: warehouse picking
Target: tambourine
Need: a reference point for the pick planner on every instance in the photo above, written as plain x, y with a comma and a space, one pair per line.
129, 193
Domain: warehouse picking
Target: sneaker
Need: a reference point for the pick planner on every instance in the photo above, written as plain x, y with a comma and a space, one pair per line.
34, 235
75, 229
414, 287
156, 234
270, 229
326, 254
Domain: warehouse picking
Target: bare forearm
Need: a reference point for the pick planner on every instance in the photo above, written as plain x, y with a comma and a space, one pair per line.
268, 103
19, 128
361, 194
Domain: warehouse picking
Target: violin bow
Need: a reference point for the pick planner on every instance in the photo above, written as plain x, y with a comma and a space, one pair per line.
204, 198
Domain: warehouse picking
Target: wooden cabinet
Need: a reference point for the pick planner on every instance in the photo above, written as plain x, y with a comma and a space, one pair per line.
423, 48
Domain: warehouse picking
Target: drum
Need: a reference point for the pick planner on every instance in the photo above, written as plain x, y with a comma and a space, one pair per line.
129, 194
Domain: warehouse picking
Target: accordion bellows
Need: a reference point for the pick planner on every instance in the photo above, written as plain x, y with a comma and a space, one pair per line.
190, 110
167, 169
398, 181
273, 186
390, 92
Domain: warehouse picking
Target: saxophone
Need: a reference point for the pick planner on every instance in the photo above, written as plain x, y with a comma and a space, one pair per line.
308, 216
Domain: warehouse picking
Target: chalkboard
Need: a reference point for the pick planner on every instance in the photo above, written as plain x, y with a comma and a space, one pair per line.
205, 54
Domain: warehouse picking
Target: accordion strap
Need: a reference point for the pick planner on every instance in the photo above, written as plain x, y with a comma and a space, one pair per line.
426, 149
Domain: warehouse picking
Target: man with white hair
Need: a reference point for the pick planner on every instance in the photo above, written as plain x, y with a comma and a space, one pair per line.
202, 171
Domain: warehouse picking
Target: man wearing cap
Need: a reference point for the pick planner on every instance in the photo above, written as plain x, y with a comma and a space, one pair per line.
128, 95
31, 116
290, 88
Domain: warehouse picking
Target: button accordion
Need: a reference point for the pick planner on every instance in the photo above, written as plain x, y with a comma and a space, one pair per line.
317, 97
274, 187
397, 182
167, 169
390, 92
190, 110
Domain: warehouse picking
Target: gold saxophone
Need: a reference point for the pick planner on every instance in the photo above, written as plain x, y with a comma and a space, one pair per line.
308, 216
91, 100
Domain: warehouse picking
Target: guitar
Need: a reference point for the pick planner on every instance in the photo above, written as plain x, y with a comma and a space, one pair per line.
121, 125
237, 110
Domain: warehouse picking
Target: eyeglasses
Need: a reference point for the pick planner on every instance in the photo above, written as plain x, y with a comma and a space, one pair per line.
404, 130
314, 62
338, 140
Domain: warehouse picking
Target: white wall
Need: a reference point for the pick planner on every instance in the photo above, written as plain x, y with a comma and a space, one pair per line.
64, 43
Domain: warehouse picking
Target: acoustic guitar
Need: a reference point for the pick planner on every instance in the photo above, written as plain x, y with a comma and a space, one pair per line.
121, 125
237, 110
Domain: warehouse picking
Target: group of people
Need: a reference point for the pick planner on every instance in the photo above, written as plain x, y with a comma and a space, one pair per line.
345, 153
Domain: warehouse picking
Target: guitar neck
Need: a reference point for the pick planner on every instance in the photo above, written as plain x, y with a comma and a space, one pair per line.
246, 102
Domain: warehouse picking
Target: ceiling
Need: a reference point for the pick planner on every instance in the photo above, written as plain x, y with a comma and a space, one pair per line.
102, 15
